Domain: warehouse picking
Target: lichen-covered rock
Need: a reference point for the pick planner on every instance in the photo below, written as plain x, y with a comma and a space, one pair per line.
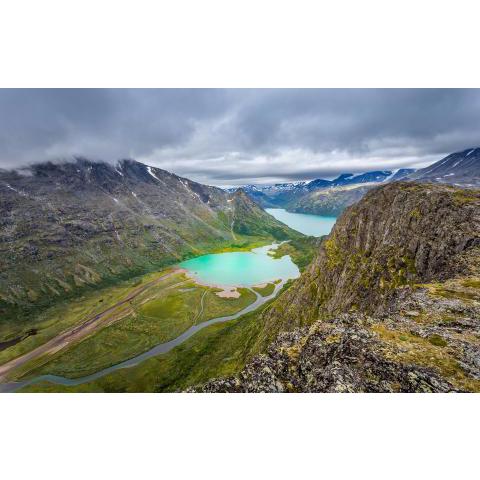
343, 355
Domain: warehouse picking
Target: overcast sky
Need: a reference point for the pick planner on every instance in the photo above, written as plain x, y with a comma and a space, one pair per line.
232, 137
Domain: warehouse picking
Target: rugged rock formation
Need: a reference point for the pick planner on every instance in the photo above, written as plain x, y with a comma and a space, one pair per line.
391, 302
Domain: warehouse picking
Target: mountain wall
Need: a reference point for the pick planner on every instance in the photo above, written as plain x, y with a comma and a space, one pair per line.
80, 224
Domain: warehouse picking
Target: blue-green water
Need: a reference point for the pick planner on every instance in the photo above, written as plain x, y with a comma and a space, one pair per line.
241, 268
315, 225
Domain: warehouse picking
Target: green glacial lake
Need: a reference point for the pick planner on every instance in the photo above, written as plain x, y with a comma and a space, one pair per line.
314, 225
241, 268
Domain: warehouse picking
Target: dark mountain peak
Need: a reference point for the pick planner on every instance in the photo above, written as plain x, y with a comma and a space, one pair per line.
240, 193
469, 151
342, 177
367, 177
318, 183
401, 173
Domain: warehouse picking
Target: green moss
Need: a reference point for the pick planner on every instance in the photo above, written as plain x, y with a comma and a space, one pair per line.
462, 197
452, 293
471, 283
421, 351
437, 340
415, 213
334, 253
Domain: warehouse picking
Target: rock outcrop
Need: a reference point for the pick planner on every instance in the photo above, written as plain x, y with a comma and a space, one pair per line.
391, 302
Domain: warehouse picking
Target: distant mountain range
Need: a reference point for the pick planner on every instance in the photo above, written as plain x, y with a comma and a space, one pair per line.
320, 196
331, 197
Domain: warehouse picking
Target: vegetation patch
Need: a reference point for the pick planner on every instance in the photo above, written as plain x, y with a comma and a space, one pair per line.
265, 291
334, 253
463, 290
415, 213
462, 197
437, 340
301, 250
412, 349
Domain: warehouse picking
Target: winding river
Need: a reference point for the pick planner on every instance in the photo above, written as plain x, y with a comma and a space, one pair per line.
226, 269
270, 269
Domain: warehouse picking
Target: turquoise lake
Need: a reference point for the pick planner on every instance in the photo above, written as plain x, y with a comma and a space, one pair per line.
314, 225
241, 268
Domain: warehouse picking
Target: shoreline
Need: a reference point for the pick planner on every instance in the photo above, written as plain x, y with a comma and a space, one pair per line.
224, 287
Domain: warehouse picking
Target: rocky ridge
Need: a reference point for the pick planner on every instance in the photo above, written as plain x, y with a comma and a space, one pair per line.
391, 302
459, 168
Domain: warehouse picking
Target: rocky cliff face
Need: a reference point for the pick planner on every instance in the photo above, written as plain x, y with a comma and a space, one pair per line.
391, 302
397, 236
68, 226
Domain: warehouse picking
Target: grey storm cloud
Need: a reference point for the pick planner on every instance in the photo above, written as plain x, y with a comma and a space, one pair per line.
235, 136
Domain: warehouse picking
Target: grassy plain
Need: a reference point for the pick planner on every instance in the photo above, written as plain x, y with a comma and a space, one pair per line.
158, 315
216, 351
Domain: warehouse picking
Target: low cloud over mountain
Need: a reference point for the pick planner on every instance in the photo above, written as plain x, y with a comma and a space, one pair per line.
232, 137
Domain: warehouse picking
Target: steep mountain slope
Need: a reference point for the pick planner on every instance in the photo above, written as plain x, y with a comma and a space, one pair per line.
460, 168
391, 302
66, 227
